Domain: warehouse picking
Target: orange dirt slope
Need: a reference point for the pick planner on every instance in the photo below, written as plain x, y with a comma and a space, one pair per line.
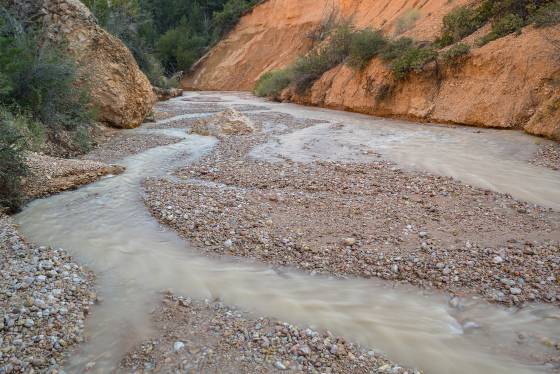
509, 83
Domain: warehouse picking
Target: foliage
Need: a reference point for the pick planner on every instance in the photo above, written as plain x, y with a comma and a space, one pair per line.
396, 47
178, 48
504, 26
412, 59
272, 83
456, 52
457, 24
40, 80
324, 29
507, 16
547, 15
39, 100
365, 45
313, 65
226, 19
12, 162
309, 68
167, 36
407, 21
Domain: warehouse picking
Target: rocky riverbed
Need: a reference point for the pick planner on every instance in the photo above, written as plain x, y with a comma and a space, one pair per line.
126, 143
365, 218
49, 175
44, 299
203, 336
369, 219
548, 156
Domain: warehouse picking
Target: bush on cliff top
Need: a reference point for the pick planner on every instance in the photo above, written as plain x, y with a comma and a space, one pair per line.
504, 26
457, 24
364, 46
412, 59
547, 15
455, 53
507, 17
307, 69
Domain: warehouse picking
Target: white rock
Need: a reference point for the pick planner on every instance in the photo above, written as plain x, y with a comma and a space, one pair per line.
178, 346
350, 241
498, 260
280, 366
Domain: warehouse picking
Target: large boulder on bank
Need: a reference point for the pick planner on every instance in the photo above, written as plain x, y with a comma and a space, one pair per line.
120, 91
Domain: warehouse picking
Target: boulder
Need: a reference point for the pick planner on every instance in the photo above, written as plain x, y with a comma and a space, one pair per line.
228, 122
120, 92
164, 94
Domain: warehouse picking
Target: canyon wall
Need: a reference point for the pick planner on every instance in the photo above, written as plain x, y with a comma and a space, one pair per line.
509, 83
120, 92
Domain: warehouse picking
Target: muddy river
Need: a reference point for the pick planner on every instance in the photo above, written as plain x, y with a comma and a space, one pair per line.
107, 227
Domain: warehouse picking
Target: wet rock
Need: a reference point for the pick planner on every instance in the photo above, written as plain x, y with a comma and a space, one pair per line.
515, 291
349, 241
280, 366
497, 260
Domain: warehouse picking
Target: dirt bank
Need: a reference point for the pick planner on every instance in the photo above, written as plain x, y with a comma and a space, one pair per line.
124, 143
508, 83
361, 219
50, 175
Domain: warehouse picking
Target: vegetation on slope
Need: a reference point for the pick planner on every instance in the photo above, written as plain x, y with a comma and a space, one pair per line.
39, 103
357, 48
168, 36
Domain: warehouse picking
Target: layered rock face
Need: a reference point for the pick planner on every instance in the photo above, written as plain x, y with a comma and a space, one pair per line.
120, 91
509, 83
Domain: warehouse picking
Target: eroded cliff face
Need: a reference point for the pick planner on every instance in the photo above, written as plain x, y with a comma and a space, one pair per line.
509, 83
119, 90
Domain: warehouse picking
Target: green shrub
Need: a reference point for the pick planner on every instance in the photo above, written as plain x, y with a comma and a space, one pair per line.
413, 59
41, 82
508, 16
12, 162
407, 21
226, 19
395, 48
459, 23
365, 45
179, 47
456, 52
313, 65
547, 15
47, 89
307, 69
503, 26
272, 83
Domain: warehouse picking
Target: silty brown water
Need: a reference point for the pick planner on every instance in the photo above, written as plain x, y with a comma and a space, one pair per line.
106, 226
